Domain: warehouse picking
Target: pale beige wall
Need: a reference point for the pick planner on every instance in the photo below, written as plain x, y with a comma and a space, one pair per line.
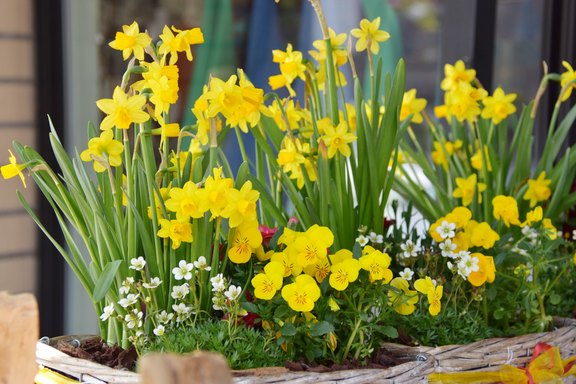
17, 109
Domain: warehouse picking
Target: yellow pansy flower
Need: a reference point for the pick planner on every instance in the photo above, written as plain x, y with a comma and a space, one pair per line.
319, 270
122, 110
369, 35
131, 40
312, 245
247, 238
486, 270
13, 169
288, 260
460, 216
482, 235
344, 273
302, 294
505, 208
432, 291
538, 189
377, 263
267, 283
403, 299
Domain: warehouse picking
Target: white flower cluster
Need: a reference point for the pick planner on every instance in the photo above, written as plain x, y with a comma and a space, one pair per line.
225, 295
464, 264
372, 238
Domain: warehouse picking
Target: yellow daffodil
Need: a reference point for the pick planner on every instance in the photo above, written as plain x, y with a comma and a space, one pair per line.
565, 78
486, 271
172, 44
344, 273
291, 67
216, 188
477, 161
286, 116
103, 150
302, 294
248, 112
538, 189
177, 231
482, 235
467, 188
241, 205
339, 53
337, 140
412, 106
462, 102
377, 263
188, 201
455, 74
290, 156
505, 208
432, 291
440, 153
498, 106
369, 35
246, 239
131, 40
122, 110
288, 260
164, 94
319, 270
403, 299
13, 169
267, 283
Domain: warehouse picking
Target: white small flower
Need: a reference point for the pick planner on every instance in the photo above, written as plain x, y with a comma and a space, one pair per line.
407, 274
233, 293
559, 234
574, 234
183, 271
375, 238
154, 283
362, 240
450, 266
467, 265
520, 251
107, 312
218, 303
129, 300
461, 255
164, 317
410, 249
446, 230
529, 232
447, 248
126, 285
134, 319
159, 330
181, 308
201, 265
179, 292
218, 283
137, 264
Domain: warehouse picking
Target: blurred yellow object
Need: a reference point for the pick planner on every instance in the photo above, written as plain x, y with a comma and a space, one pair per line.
48, 376
546, 366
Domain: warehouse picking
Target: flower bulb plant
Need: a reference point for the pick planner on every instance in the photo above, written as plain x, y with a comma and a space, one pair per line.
168, 241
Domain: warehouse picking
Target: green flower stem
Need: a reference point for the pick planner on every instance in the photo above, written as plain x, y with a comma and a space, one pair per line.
241, 145
486, 176
132, 237
150, 171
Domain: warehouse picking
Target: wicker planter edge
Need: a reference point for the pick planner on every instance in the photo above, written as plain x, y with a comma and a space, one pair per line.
487, 354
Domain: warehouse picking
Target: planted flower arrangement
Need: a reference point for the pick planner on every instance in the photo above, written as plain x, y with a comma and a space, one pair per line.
184, 254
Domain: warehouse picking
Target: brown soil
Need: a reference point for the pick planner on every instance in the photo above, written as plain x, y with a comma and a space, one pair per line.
96, 350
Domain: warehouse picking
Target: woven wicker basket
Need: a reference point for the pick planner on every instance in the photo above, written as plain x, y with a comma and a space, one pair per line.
487, 355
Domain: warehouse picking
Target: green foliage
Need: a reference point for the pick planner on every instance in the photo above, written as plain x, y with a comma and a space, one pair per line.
244, 348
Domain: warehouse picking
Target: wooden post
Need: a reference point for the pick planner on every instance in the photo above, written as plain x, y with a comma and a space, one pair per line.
200, 367
18, 337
